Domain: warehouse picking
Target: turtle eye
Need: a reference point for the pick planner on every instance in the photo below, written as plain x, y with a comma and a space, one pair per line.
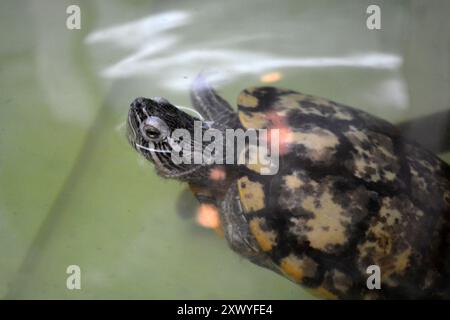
154, 129
152, 133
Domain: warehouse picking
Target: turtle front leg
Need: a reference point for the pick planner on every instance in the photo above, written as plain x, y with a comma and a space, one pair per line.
212, 106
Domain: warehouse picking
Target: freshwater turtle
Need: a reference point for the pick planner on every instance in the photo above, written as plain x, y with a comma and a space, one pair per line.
349, 192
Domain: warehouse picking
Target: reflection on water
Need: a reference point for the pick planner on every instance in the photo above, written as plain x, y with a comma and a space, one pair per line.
72, 191
159, 46
143, 33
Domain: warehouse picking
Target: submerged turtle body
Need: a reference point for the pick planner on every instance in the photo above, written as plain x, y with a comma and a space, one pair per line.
350, 193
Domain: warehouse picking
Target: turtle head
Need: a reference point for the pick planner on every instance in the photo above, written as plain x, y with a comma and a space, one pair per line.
151, 127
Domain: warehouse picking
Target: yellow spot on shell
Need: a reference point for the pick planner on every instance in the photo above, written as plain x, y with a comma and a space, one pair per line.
321, 101
292, 181
402, 261
291, 101
328, 225
296, 268
265, 239
316, 140
392, 215
383, 239
356, 135
291, 267
390, 175
343, 115
386, 237
253, 120
295, 97
247, 101
253, 159
321, 292
341, 281
251, 194
320, 143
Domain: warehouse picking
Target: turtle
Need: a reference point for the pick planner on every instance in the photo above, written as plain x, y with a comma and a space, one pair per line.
354, 210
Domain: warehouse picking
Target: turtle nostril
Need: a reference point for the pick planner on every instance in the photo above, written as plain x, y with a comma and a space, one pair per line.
137, 103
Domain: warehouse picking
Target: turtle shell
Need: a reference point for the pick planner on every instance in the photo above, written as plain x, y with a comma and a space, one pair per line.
350, 193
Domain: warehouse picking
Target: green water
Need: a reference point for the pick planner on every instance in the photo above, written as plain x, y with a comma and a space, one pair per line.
73, 192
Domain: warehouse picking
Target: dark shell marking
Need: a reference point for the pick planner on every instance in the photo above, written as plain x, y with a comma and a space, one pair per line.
350, 193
